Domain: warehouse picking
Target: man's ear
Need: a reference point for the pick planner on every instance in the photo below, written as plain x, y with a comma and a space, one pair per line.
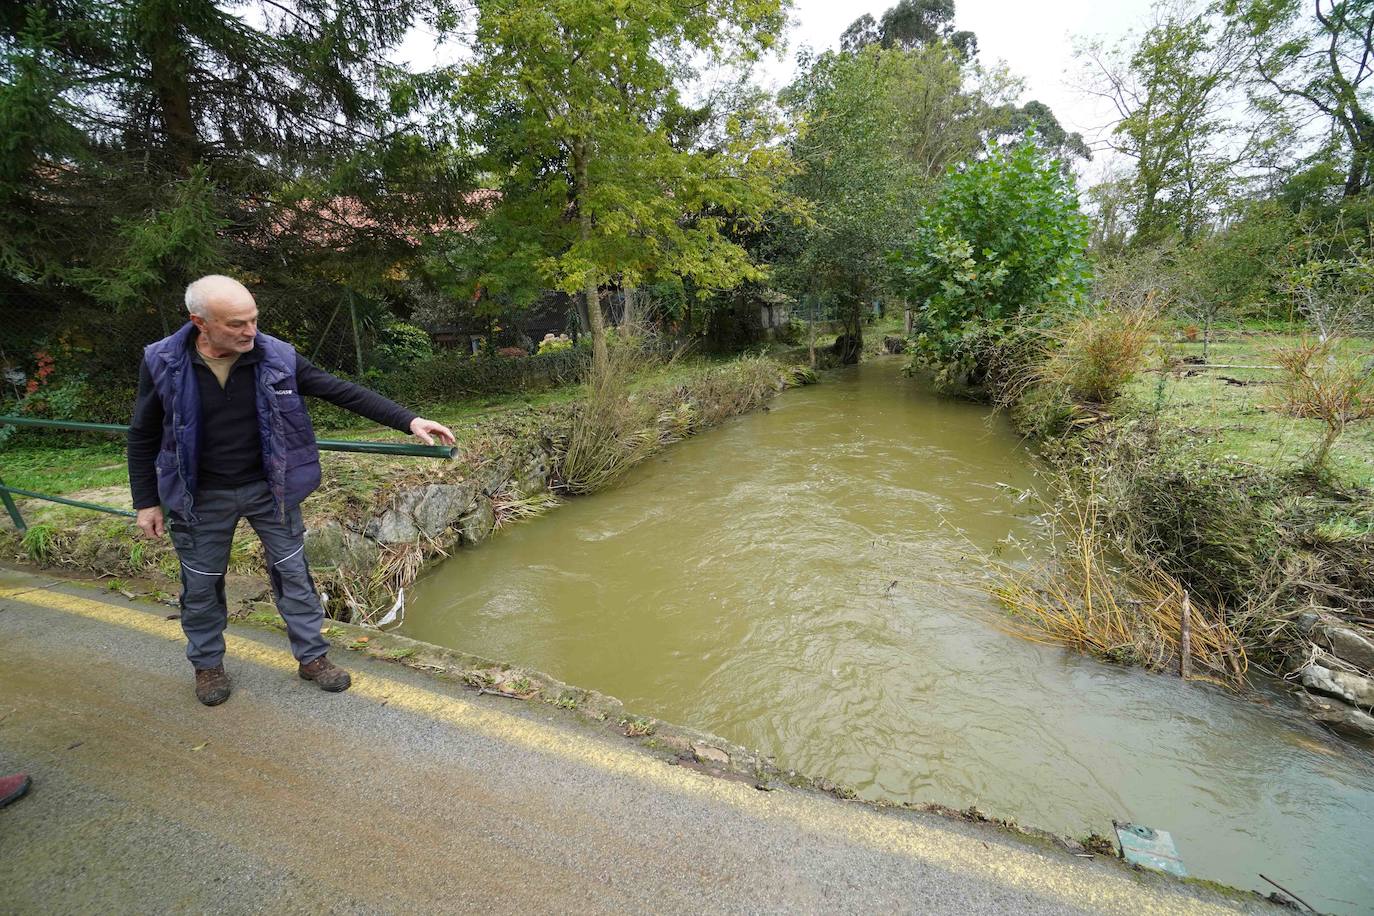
198, 321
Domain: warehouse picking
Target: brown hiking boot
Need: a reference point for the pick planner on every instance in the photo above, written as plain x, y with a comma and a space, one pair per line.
13, 788
327, 674
212, 685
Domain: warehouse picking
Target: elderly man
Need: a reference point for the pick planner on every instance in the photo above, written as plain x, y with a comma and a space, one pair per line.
220, 432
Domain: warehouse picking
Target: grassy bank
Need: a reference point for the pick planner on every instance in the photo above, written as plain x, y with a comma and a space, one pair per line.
512, 452
1193, 485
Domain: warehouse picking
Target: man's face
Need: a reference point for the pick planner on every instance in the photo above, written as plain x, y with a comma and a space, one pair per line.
232, 325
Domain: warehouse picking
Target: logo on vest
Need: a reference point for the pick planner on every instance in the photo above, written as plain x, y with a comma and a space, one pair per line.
283, 391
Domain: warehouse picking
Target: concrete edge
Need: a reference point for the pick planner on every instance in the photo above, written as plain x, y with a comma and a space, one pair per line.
675, 745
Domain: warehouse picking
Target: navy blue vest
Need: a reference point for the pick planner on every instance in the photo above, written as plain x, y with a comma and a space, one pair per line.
290, 457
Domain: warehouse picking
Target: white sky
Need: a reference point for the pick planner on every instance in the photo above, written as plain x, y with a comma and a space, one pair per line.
1035, 38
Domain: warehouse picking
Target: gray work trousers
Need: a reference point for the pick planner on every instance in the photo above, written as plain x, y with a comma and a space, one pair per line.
203, 549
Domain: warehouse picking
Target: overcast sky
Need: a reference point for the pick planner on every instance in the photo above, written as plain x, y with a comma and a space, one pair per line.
1035, 39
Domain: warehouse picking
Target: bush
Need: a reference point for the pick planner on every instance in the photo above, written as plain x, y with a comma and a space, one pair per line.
455, 375
1316, 384
1005, 236
1099, 354
402, 345
551, 344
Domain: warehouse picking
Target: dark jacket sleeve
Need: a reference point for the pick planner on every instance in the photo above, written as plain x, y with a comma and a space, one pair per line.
145, 439
316, 383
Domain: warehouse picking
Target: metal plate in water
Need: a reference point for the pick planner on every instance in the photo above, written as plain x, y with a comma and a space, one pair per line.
1149, 848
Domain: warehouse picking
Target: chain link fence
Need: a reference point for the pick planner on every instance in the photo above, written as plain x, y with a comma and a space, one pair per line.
65, 356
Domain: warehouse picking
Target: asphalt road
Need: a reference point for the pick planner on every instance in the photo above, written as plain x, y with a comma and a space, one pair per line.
411, 794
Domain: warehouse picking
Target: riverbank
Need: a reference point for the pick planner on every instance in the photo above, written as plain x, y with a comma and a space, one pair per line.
377, 520
803, 582
419, 768
1195, 476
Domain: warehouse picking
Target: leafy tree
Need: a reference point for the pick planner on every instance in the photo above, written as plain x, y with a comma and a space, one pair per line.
1322, 63
576, 111
1173, 92
1110, 200
1039, 119
1232, 270
909, 25
1003, 239
1331, 286
146, 141
875, 130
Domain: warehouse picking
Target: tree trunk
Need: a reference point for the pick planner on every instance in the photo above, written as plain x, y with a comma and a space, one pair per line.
595, 323
1357, 179
630, 319
168, 64
815, 309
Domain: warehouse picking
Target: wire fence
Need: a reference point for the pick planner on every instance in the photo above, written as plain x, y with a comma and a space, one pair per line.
65, 356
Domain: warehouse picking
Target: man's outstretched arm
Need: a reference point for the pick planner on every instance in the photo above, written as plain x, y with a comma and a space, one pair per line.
316, 383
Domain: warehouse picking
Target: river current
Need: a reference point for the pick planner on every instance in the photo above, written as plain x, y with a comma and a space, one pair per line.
807, 581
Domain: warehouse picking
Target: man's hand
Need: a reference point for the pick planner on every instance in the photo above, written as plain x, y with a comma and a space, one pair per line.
150, 522
426, 430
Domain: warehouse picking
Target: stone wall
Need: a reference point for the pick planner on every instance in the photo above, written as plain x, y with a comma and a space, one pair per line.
457, 510
1337, 674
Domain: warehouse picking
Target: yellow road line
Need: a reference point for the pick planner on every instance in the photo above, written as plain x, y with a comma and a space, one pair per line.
1070, 882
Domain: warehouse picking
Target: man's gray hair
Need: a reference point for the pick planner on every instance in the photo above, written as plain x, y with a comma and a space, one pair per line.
199, 293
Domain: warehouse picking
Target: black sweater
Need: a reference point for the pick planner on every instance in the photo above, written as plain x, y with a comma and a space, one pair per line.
230, 446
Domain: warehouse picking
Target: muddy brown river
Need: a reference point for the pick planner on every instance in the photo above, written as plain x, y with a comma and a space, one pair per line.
805, 581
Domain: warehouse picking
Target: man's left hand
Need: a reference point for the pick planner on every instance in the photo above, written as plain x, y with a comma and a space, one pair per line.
427, 430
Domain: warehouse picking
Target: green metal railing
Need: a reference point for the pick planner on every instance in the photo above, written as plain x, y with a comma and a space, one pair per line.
328, 445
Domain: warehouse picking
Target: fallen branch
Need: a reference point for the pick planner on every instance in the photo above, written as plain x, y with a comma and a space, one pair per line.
1291, 894
1210, 366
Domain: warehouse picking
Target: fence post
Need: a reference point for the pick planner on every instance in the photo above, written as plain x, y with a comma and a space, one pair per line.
11, 508
357, 341
325, 333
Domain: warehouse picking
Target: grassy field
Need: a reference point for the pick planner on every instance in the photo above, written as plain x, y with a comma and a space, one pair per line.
1239, 423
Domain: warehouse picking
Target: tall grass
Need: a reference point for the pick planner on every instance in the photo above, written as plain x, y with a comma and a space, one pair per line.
1099, 354
610, 432
616, 428
1095, 598
40, 543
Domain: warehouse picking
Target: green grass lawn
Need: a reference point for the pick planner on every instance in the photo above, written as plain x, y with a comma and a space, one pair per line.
65, 469
1238, 423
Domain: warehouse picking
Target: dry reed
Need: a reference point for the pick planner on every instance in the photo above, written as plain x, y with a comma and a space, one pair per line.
614, 429
1091, 598
1099, 354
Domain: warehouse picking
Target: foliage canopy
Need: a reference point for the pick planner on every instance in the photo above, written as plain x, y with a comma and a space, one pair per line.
1003, 239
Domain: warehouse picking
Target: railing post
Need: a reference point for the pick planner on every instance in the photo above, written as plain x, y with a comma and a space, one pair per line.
11, 508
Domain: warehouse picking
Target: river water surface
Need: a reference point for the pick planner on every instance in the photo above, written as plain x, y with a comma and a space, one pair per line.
804, 581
